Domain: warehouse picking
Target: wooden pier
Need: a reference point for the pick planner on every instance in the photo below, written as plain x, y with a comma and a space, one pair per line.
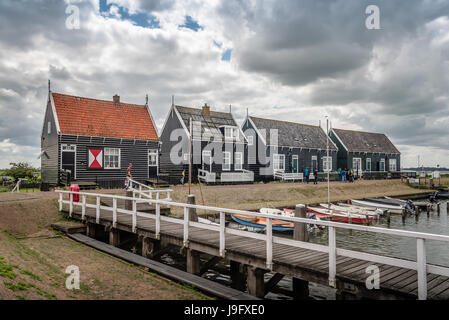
252, 255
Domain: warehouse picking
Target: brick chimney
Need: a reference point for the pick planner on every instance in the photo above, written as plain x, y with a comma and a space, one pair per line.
206, 110
116, 100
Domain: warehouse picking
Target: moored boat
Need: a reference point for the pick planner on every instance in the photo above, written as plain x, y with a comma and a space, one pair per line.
261, 222
340, 216
390, 207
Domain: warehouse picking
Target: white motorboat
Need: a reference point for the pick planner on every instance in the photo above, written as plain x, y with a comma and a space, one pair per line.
390, 207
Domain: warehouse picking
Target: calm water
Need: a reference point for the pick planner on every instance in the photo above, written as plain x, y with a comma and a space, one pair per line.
375, 243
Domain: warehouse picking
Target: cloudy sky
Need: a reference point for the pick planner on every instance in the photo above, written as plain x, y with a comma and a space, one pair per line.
290, 60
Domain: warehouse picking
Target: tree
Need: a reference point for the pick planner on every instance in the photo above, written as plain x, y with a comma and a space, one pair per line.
20, 170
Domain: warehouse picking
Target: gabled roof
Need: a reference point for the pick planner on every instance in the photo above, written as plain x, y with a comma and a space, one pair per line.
210, 124
359, 141
101, 118
291, 134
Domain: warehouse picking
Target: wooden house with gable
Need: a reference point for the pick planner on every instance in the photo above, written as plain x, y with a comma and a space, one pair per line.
91, 140
218, 146
371, 155
282, 149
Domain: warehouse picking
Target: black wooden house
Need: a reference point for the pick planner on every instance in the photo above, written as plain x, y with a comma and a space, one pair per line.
93, 141
217, 142
281, 149
371, 155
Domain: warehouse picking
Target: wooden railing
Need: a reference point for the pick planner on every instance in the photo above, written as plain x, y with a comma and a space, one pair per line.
420, 265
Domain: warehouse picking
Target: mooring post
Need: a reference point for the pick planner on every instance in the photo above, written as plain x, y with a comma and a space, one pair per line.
129, 203
438, 208
90, 230
403, 213
193, 261
300, 231
300, 289
388, 217
114, 237
255, 281
192, 211
150, 247
428, 210
238, 275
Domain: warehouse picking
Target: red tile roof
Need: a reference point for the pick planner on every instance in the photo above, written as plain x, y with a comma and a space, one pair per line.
92, 117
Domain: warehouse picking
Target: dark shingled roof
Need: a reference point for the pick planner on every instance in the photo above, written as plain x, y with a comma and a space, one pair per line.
291, 134
212, 122
358, 141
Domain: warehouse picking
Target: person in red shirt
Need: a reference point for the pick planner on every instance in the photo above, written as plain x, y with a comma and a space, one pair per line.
128, 175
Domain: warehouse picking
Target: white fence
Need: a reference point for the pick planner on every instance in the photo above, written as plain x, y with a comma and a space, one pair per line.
243, 176
206, 176
147, 192
289, 175
420, 265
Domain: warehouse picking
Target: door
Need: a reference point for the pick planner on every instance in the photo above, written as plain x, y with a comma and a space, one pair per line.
68, 156
295, 164
315, 163
152, 163
207, 160
357, 166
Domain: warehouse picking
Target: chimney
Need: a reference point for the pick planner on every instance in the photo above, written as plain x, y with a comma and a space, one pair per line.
116, 100
206, 110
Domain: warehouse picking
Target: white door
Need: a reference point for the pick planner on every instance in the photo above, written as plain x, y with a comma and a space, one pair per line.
357, 166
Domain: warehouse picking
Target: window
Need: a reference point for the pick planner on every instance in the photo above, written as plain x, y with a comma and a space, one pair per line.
279, 162
250, 140
49, 127
186, 157
236, 133
238, 161
368, 164
391, 164
226, 161
228, 132
382, 165
327, 164
152, 158
111, 158
68, 147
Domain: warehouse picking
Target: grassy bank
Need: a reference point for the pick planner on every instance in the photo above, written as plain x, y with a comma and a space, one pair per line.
277, 195
33, 260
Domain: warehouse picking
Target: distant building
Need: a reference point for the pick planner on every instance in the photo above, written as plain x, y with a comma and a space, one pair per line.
298, 146
218, 146
95, 140
369, 154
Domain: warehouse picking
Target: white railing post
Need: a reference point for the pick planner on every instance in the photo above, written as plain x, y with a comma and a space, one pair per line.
186, 227
332, 256
222, 234
140, 191
158, 221
97, 213
269, 232
83, 208
71, 204
134, 215
60, 201
422, 268
114, 212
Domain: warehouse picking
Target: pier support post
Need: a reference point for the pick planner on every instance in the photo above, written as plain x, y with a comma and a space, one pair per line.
90, 230
255, 282
129, 203
114, 237
192, 211
428, 210
238, 276
403, 213
150, 247
300, 289
388, 217
300, 231
193, 261
438, 208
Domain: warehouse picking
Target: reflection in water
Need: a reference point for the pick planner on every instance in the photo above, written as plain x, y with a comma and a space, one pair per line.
375, 243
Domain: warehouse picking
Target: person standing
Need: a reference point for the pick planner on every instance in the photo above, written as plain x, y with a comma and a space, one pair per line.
315, 176
306, 173
343, 175
182, 177
339, 174
128, 176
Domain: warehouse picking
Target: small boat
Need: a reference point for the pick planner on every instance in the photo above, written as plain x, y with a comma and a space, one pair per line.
340, 216
261, 222
360, 210
207, 221
390, 207
421, 204
372, 209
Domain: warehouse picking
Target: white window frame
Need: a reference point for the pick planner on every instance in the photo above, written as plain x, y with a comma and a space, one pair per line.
49, 127
327, 163
295, 157
153, 151
106, 164
382, 160
392, 163
186, 157
240, 164
277, 162
250, 140
226, 166
368, 168
228, 130
206, 153
68, 148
